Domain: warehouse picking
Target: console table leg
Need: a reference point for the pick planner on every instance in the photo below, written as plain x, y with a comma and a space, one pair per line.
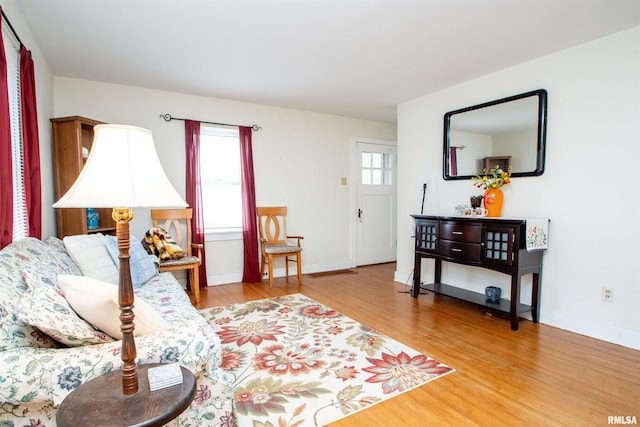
417, 267
535, 297
515, 300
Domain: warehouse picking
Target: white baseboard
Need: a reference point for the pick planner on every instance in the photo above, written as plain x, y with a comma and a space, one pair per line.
599, 331
403, 277
225, 279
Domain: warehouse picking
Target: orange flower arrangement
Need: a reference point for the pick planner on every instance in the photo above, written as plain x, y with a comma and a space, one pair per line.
493, 178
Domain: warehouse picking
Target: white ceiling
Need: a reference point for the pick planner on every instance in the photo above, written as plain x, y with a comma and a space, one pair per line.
356, 58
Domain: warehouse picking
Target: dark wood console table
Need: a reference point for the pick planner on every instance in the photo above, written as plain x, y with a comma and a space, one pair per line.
492, 243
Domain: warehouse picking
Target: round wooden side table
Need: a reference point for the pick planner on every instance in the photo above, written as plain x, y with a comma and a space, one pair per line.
100, 402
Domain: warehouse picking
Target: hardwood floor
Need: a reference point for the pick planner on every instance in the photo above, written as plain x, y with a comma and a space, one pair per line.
537, 376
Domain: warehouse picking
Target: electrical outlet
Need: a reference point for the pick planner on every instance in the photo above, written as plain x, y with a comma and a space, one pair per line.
607, 294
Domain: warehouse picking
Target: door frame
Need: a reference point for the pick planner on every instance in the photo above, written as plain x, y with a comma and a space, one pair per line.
353, 176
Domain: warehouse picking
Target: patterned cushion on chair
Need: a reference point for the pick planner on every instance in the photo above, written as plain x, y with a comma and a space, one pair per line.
182, 261
281, 249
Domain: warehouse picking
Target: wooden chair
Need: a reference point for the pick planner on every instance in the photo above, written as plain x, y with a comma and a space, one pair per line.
177, 223
274, 241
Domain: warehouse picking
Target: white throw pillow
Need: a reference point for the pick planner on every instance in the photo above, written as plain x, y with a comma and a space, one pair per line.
97, 303
89, 252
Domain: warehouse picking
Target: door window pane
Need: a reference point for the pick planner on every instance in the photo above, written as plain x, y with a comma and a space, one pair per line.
377, 168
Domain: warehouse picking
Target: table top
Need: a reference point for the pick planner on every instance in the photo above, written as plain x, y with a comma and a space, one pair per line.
100, 402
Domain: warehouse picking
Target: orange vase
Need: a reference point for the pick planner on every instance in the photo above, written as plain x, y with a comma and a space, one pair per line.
493, 201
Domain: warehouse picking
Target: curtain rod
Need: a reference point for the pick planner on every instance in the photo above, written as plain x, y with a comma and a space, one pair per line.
168, 117
11, 28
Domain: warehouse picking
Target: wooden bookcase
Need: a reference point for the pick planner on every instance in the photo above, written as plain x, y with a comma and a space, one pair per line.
503, 162
70, 135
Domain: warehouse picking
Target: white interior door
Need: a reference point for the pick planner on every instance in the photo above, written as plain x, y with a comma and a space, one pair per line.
375, 203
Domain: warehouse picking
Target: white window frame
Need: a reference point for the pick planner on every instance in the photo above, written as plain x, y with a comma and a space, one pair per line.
219, 234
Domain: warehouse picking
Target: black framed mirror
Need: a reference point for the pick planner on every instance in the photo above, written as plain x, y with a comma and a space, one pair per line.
509, 132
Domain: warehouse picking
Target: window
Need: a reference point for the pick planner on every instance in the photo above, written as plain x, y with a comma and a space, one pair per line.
376, 168
12, 53
220, 174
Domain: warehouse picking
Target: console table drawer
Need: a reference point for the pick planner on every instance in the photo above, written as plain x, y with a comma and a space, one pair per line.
466, 251
460, 232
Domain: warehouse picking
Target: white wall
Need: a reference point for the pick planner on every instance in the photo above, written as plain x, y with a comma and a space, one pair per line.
299, 160
589, 189
44, 96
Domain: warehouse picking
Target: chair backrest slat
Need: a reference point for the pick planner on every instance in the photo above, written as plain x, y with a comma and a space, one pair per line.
272, 224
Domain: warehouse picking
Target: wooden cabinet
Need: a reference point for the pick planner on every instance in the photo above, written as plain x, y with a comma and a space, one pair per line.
72, 140
502, 162
496, 244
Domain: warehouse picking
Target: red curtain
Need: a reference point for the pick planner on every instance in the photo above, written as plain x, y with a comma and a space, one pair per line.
194, 191
249, 223
6, 168
453, 161
31, 145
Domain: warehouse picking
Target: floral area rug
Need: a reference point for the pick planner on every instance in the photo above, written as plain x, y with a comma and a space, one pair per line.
296, 362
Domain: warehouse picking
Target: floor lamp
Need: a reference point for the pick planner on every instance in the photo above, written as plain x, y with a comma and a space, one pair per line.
122, 172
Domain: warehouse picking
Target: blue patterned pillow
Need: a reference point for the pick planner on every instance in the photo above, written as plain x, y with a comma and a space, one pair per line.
141, 263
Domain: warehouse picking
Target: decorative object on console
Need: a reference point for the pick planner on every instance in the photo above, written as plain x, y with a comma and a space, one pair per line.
492, 293
493, 198
476, 201
121, 150
492, 181
537, 234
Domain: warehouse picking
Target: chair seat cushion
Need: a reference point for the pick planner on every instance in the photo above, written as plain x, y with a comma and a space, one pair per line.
281, 249
182, 261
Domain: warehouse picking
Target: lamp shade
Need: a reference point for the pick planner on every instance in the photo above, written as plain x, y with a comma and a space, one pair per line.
123, 171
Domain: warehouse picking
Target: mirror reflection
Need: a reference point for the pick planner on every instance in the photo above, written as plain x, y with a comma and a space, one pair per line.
509, 132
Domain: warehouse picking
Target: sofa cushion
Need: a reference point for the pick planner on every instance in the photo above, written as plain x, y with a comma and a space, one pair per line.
89, 252
141, 264
44, 306
97, 303
64, 259
32, 255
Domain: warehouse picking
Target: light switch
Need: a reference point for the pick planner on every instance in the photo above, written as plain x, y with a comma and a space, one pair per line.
343, 181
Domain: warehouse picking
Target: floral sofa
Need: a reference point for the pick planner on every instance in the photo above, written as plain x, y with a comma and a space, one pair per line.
47, 350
